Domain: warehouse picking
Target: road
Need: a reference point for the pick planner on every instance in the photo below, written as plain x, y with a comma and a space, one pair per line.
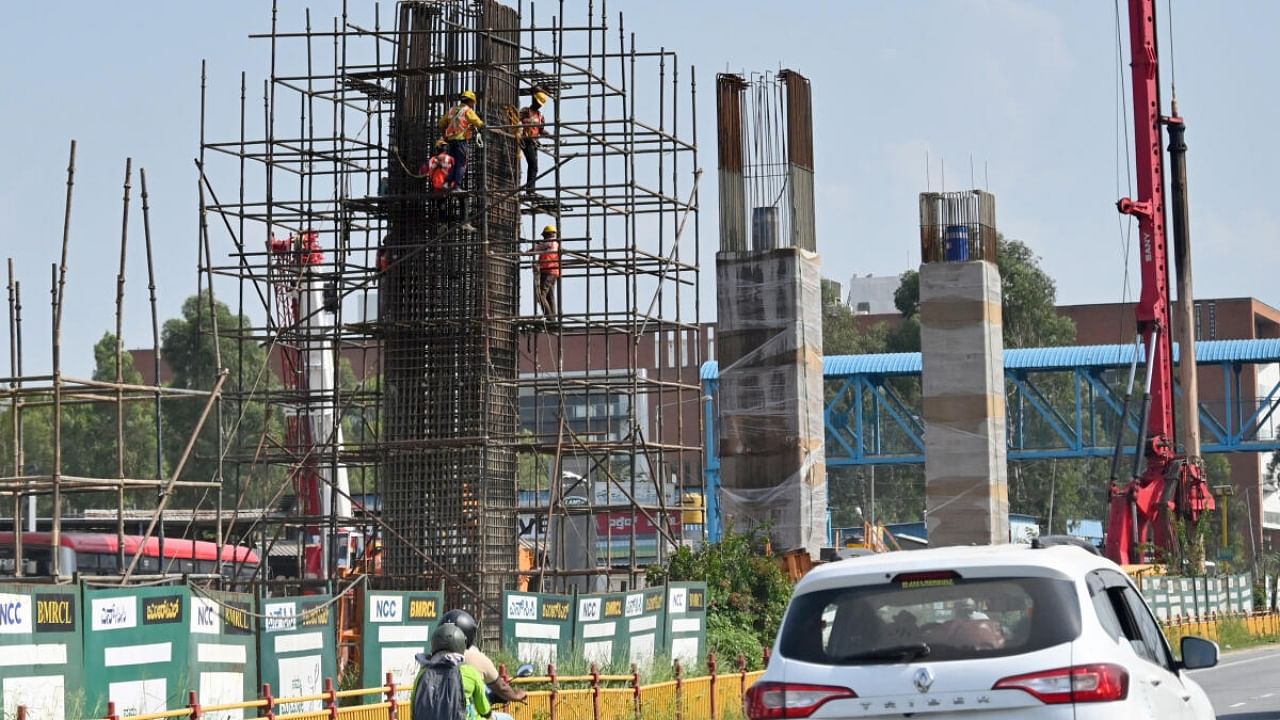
1245, 685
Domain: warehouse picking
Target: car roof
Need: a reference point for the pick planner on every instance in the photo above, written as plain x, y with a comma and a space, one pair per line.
1069, 560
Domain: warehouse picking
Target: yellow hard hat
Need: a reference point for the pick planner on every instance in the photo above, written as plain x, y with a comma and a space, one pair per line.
549, 230
541, 97
468, 95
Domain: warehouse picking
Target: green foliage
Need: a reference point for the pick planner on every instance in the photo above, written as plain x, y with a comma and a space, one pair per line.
729, 642
1030, 316
89, 441
89, 434
747, 591
1233, 634
189, 347
533, 469
1029, 307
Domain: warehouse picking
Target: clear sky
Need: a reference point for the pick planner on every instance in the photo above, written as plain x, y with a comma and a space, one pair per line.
1027, 89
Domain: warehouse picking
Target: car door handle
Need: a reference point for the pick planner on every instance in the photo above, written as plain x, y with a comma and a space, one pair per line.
1155, 682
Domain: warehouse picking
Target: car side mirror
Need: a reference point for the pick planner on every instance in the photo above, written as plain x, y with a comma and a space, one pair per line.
1198, 653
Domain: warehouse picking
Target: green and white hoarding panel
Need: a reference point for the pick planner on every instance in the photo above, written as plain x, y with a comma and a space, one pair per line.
40, 651
644, 612
397, 626
223, 651
136, 646
537, 628
686, 623
598, 629
297, 649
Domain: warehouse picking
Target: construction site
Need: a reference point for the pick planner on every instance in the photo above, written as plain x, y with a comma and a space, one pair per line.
447, 349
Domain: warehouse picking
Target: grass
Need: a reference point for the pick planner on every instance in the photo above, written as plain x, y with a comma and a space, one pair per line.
1233, 634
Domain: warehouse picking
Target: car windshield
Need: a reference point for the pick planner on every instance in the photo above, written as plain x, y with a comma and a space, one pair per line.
947, 618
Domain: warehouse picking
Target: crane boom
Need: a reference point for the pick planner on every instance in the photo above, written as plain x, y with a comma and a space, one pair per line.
1161, 481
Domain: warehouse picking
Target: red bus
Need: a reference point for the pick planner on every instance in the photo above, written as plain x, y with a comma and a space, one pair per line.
99, 554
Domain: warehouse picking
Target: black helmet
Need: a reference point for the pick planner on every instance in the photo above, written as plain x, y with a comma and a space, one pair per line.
448, 638
465, 621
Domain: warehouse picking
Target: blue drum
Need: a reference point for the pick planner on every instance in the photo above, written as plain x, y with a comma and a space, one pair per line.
957, 243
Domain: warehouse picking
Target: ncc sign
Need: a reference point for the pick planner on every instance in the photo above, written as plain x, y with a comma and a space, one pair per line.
15, 614
386, 608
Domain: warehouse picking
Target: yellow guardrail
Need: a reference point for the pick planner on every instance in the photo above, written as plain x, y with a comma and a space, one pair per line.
1224, 627
597, 696
594, 696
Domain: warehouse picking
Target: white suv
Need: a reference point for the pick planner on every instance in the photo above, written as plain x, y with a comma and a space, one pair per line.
977, 632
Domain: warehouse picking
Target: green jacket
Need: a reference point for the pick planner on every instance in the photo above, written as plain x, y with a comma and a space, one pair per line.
472, 689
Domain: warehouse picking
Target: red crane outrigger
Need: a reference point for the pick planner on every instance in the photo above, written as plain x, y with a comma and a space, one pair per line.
1164, 484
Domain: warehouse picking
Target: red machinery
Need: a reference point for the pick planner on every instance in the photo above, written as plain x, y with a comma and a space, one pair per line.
1164, 484
307, 368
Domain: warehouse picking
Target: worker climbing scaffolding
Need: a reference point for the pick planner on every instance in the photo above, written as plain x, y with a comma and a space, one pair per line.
459, 126
531, 128
439, 168
547, 271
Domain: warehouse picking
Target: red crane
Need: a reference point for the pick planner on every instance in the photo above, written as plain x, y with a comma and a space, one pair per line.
306, 368
1164, 484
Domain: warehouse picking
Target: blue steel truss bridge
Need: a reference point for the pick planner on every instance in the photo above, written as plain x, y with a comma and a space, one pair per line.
1061, 402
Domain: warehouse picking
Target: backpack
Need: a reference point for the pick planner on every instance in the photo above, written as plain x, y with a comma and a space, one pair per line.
437, 693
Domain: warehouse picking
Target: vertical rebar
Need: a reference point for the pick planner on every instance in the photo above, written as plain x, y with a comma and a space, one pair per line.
15, 411
57, 290
119, 361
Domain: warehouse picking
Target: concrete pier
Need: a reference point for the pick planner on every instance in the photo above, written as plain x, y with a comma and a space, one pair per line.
966, 477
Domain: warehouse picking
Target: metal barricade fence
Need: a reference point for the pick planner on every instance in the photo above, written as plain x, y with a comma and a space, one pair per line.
717, 695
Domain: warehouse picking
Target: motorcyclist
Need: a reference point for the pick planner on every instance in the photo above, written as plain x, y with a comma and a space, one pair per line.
500, 691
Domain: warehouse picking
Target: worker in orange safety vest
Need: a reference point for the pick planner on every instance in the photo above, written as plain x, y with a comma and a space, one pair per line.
460, 125
547, 270
439, 167
531, 124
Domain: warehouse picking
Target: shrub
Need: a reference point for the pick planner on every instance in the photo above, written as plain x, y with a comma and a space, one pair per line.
747, 591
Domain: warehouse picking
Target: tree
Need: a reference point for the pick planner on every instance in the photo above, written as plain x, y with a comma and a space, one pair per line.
89, 443
89, 435
188, 343
90, 446
841, 334
1029, 302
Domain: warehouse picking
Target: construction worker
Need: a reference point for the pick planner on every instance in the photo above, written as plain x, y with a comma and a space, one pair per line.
460, 125
547, 270
499, 689
531, 124
439, 168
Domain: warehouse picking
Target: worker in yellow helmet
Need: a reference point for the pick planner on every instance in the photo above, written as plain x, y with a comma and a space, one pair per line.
546, 271
531, 124
460, 125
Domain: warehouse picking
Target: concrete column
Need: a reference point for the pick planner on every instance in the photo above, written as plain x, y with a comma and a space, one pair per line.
769, 341
966, 476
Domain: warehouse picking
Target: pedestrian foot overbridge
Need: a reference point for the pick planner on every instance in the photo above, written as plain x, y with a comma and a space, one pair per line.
1061, 402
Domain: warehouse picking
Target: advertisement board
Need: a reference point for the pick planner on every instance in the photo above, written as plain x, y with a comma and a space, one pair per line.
224, 656
686, 623
136, 649
598, 629
397, 626
297, 648
537, 628
41, 654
